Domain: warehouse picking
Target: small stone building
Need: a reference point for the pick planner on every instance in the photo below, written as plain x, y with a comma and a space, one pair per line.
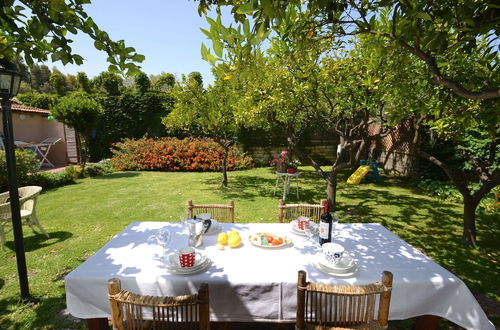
32, 125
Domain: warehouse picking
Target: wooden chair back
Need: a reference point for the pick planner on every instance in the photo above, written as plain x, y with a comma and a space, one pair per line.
219, 212
321, 306
133, 311
290, 212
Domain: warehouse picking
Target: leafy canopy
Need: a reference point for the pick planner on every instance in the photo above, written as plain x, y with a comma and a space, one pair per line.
79, 111
36, 29
430, 30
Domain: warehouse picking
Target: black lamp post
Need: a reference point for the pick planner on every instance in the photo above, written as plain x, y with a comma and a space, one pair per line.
10, 79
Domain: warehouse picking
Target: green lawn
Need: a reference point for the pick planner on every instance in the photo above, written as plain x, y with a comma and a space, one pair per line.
81, 218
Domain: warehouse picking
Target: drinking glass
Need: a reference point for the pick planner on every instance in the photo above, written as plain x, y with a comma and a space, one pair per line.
335, 222
163, 237
310, 230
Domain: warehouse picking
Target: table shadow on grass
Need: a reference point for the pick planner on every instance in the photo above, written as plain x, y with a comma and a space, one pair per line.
39, 241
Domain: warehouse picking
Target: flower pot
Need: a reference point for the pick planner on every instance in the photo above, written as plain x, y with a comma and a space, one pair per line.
281, 168
291, 170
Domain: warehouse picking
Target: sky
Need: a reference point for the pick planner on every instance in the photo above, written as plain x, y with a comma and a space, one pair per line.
167, 32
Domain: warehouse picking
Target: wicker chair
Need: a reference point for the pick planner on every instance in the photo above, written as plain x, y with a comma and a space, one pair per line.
181, 312
321, 306
28, 197
290, 212
219, 212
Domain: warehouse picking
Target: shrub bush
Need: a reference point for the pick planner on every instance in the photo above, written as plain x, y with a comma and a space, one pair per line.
49, 180
26, 163
43, 101
171, 154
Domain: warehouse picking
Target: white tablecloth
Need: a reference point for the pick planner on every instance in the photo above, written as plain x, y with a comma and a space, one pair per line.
256, 284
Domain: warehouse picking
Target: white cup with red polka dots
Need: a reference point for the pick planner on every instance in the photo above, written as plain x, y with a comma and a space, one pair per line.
187, 257
302, 222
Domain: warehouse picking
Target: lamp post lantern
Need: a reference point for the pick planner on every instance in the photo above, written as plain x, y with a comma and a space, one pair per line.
10, 79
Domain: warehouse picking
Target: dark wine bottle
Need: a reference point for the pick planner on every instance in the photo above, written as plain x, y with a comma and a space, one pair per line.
325, 226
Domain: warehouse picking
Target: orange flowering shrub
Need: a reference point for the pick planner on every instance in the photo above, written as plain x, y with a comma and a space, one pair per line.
172, 155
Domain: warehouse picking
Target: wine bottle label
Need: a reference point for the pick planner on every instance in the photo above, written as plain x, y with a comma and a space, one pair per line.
323, 230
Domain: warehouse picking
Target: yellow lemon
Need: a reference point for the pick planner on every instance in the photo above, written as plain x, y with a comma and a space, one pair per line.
222, 238
234, 240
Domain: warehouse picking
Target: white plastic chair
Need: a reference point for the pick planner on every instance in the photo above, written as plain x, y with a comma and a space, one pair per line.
28, 197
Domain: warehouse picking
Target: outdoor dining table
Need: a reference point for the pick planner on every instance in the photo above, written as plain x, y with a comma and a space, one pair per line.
254, 284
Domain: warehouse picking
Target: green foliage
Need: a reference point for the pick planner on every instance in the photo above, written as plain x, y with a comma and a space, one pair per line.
142, 82
37, 29
209, 111
163, 82
42, 101
174, 155
40, 75
26, 163
435, 33
101, 168
108, 82
196, 77
49, 180
79, 111
58, 82
448, 192
130, 115
83, 82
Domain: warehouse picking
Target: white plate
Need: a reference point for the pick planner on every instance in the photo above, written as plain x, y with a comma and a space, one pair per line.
344, 266
332, 272
255, 240
191, 270
173, 261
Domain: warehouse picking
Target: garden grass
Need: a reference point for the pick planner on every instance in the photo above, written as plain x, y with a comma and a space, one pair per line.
82, 217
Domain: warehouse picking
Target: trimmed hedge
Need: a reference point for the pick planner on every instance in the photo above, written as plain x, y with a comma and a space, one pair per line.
172, 155
48, 180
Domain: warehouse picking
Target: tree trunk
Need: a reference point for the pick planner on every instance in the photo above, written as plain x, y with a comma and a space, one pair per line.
224, 167
331, 191
84, 152
469, 232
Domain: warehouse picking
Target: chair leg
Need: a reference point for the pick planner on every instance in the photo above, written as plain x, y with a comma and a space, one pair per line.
276, 186
33, 219
297, 183
2, 237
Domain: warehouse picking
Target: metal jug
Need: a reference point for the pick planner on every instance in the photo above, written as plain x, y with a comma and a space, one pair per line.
195, 227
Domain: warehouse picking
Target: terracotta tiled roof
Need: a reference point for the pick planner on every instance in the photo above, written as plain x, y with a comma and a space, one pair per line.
24, 108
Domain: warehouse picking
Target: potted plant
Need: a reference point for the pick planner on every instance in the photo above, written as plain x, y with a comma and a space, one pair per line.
292, 166
280, 161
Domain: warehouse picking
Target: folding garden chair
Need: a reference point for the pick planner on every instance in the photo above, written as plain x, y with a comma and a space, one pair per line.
43, 148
